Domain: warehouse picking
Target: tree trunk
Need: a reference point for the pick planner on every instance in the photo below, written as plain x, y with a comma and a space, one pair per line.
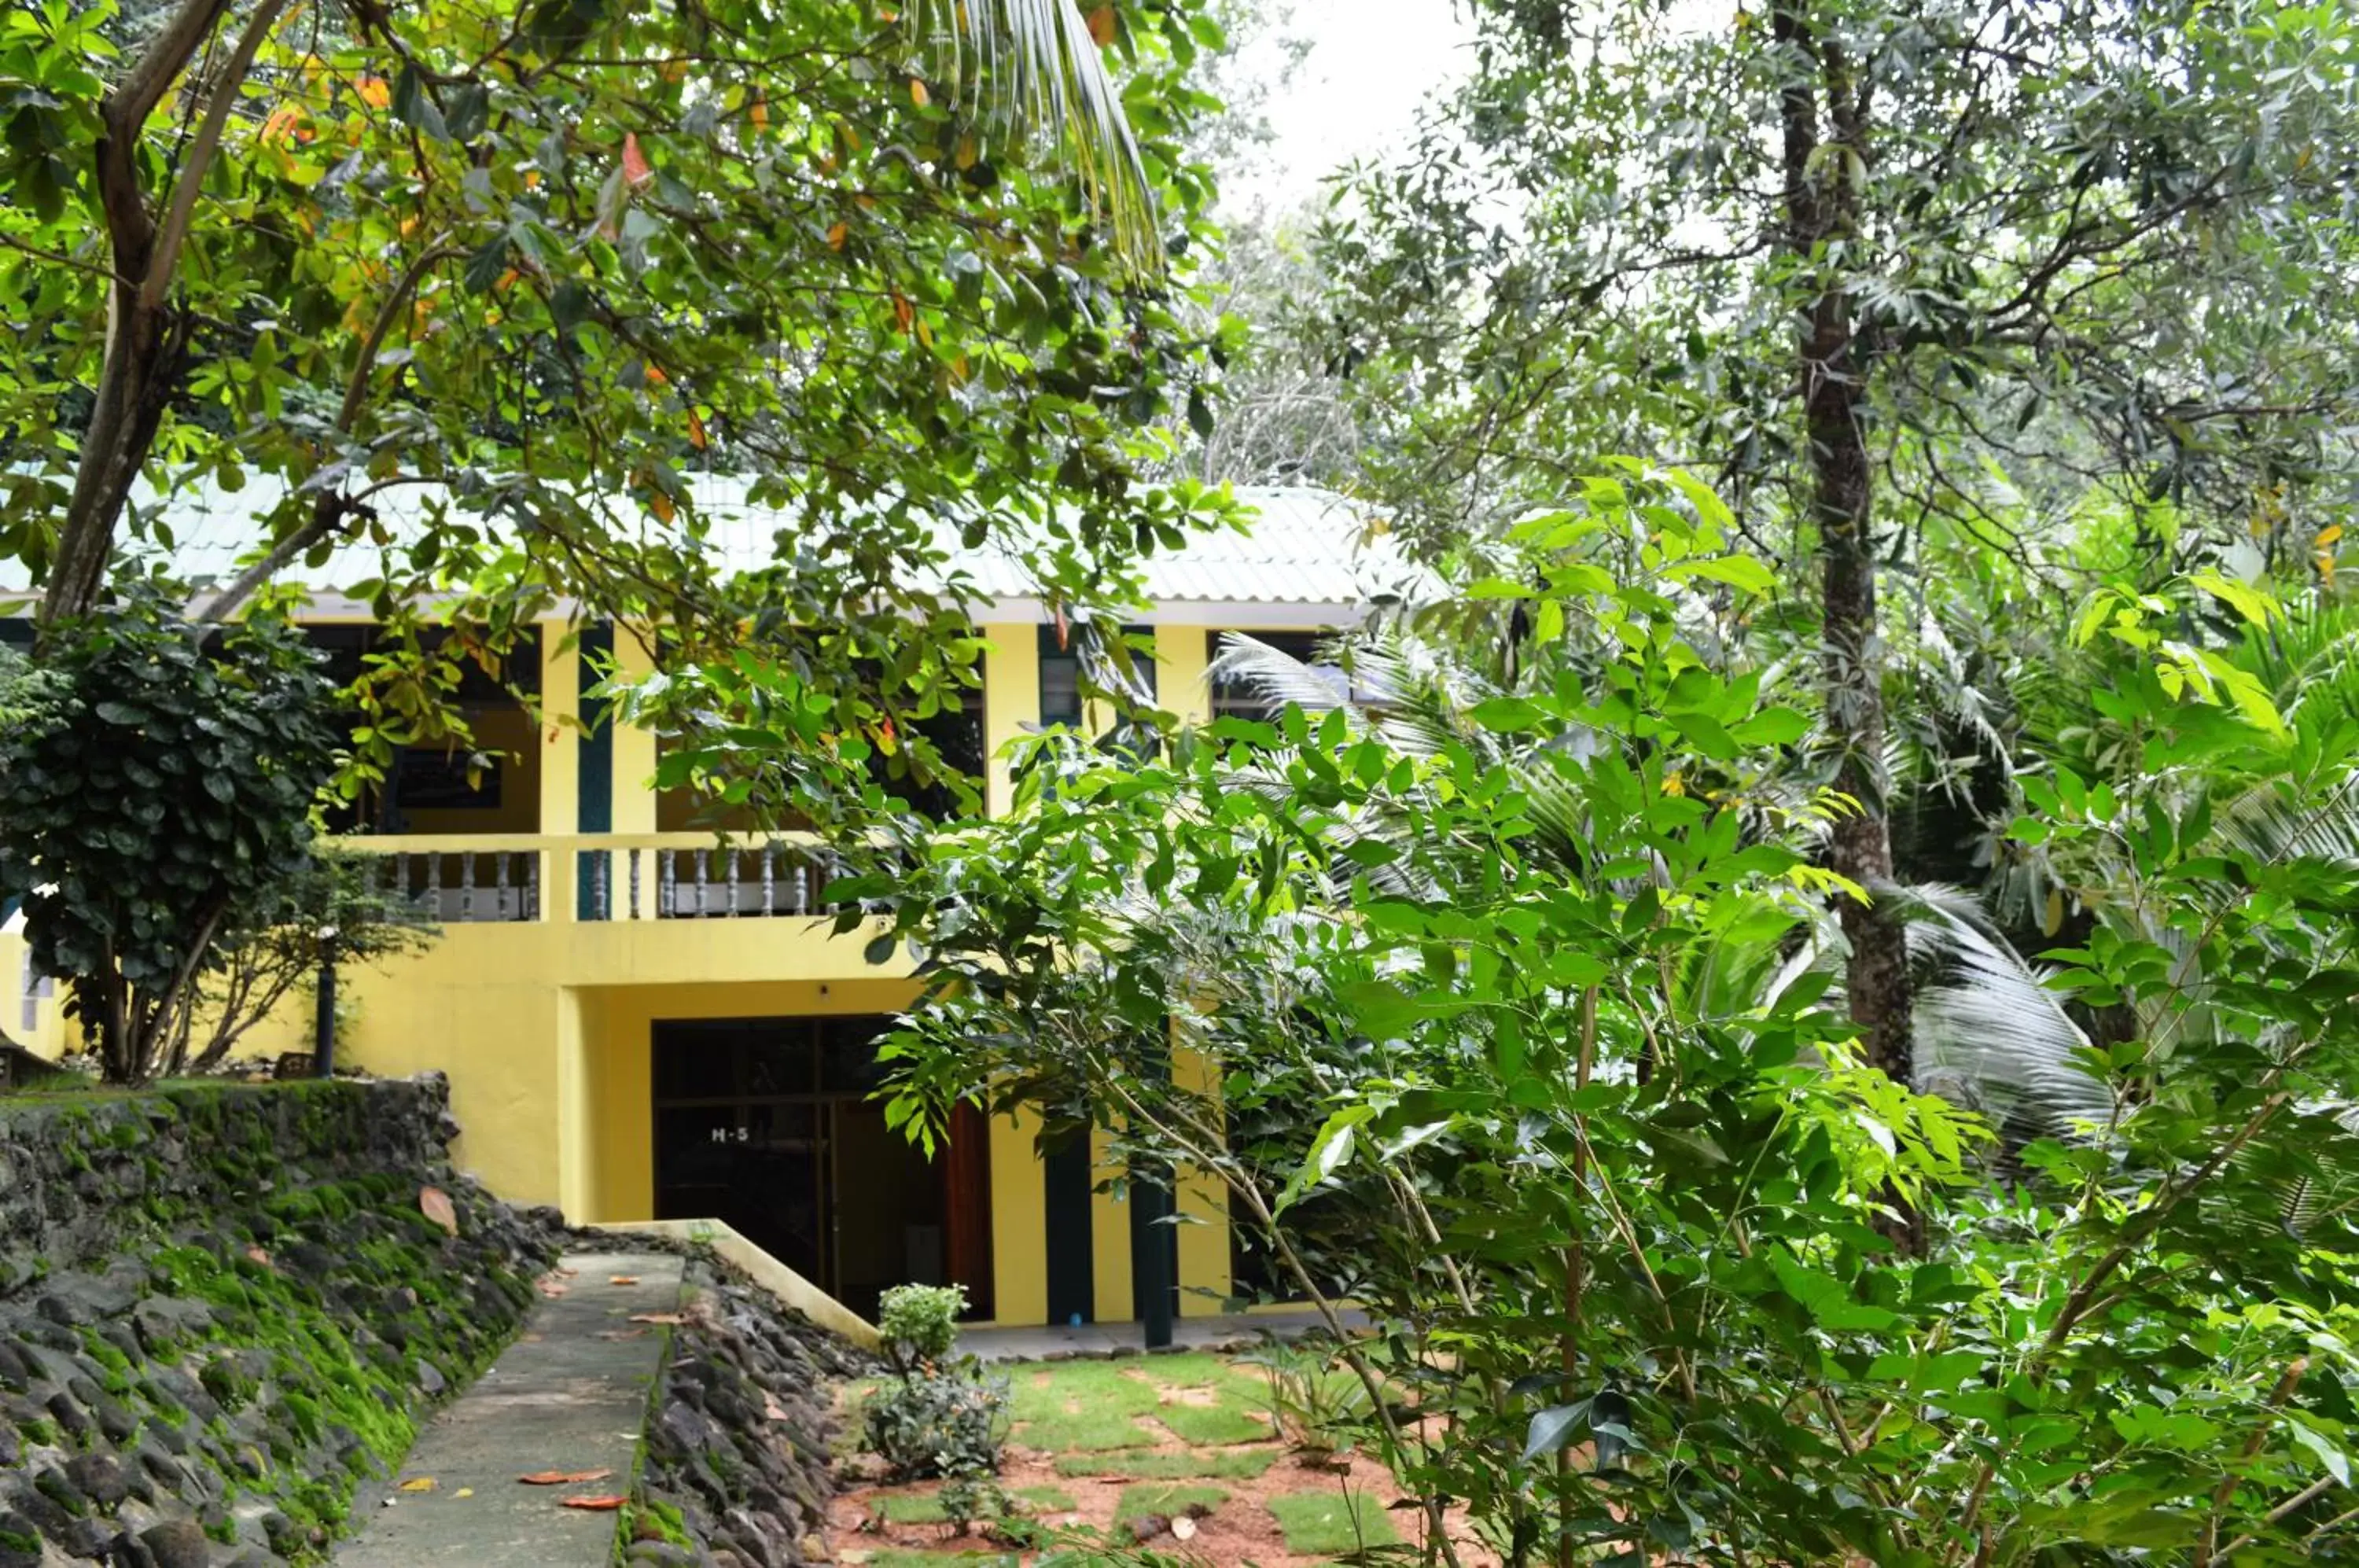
141, 370
146, 336
1823, 197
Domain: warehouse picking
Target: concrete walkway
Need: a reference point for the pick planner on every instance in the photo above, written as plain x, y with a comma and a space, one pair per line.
1239, 1331
569, 1396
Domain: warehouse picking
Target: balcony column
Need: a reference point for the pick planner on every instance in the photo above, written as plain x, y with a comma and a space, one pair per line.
561, 763
1180, 655
634, 749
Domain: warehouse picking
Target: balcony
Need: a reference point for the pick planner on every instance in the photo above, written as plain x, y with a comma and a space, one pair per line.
566, 878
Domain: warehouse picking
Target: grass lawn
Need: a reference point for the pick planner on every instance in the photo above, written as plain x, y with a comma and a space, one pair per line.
1101, 1444
1231, 1463
1331, 1524
1095, 1407
1166, 1499
926, 1508
1081, 1407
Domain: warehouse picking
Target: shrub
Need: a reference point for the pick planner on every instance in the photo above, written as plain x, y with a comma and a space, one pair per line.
935, 1415
947, 1421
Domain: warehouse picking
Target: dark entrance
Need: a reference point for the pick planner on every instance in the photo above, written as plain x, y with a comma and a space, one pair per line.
767, 1123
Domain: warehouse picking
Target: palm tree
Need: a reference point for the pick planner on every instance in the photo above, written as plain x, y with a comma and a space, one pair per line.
1987, 1032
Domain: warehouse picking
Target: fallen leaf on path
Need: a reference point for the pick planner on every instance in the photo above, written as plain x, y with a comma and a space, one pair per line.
436, 1206
418, 1484
624, 1279
551, 1286
622, 1333
563, 1478
657, 1317
605, 1505
465, 1492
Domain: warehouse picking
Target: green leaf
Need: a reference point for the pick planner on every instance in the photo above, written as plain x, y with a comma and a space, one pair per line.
412, 106
1739, 571
2337, 1463
1553, 1427
1772, 726
1508, 714
485, 267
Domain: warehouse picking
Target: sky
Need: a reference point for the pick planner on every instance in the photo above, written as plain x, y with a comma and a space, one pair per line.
1357, 93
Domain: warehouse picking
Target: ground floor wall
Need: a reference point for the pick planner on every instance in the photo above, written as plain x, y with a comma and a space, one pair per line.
553, 1084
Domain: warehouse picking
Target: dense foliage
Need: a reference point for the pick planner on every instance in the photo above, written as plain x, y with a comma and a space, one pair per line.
1888, 269
1536, 966
158, 794
483, 295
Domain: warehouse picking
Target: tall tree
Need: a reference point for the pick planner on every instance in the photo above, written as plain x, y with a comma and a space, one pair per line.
1877, 263
542, 264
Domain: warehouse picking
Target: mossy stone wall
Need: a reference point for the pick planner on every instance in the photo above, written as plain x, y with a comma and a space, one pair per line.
220, 1307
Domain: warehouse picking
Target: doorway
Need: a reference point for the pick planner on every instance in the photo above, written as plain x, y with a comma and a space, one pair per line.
767, 1125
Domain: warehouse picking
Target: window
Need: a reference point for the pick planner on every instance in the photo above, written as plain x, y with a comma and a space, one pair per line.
1060, 671
436, 779
37, 989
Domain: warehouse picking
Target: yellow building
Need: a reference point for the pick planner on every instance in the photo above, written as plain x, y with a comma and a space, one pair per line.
640, 1022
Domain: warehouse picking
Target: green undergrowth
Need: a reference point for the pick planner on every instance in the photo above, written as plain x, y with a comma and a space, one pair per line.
316, 1383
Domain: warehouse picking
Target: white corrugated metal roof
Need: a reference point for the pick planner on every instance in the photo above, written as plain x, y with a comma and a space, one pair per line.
1310, 552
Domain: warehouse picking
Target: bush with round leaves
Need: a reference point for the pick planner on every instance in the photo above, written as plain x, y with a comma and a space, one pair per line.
159, 779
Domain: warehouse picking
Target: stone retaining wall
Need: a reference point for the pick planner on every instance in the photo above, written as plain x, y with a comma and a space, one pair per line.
738, 1469
221, 1306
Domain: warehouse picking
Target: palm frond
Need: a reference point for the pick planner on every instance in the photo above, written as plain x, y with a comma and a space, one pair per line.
1028, 69
2265, 823
1275, 677
1987, 1031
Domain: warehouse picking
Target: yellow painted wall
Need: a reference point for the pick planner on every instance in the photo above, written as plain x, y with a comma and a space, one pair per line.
560, 741
1011, 700
1205, 1281
48, 1032
1109, 1239
544, 1027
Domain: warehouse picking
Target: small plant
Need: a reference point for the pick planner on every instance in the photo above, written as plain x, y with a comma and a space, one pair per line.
935, 1415
972, 1497
1316, 1404
917, 1324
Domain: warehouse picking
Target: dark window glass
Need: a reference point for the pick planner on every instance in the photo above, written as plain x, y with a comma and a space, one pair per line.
434, 779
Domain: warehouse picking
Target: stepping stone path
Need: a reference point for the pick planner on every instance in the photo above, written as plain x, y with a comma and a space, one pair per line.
568, 1398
